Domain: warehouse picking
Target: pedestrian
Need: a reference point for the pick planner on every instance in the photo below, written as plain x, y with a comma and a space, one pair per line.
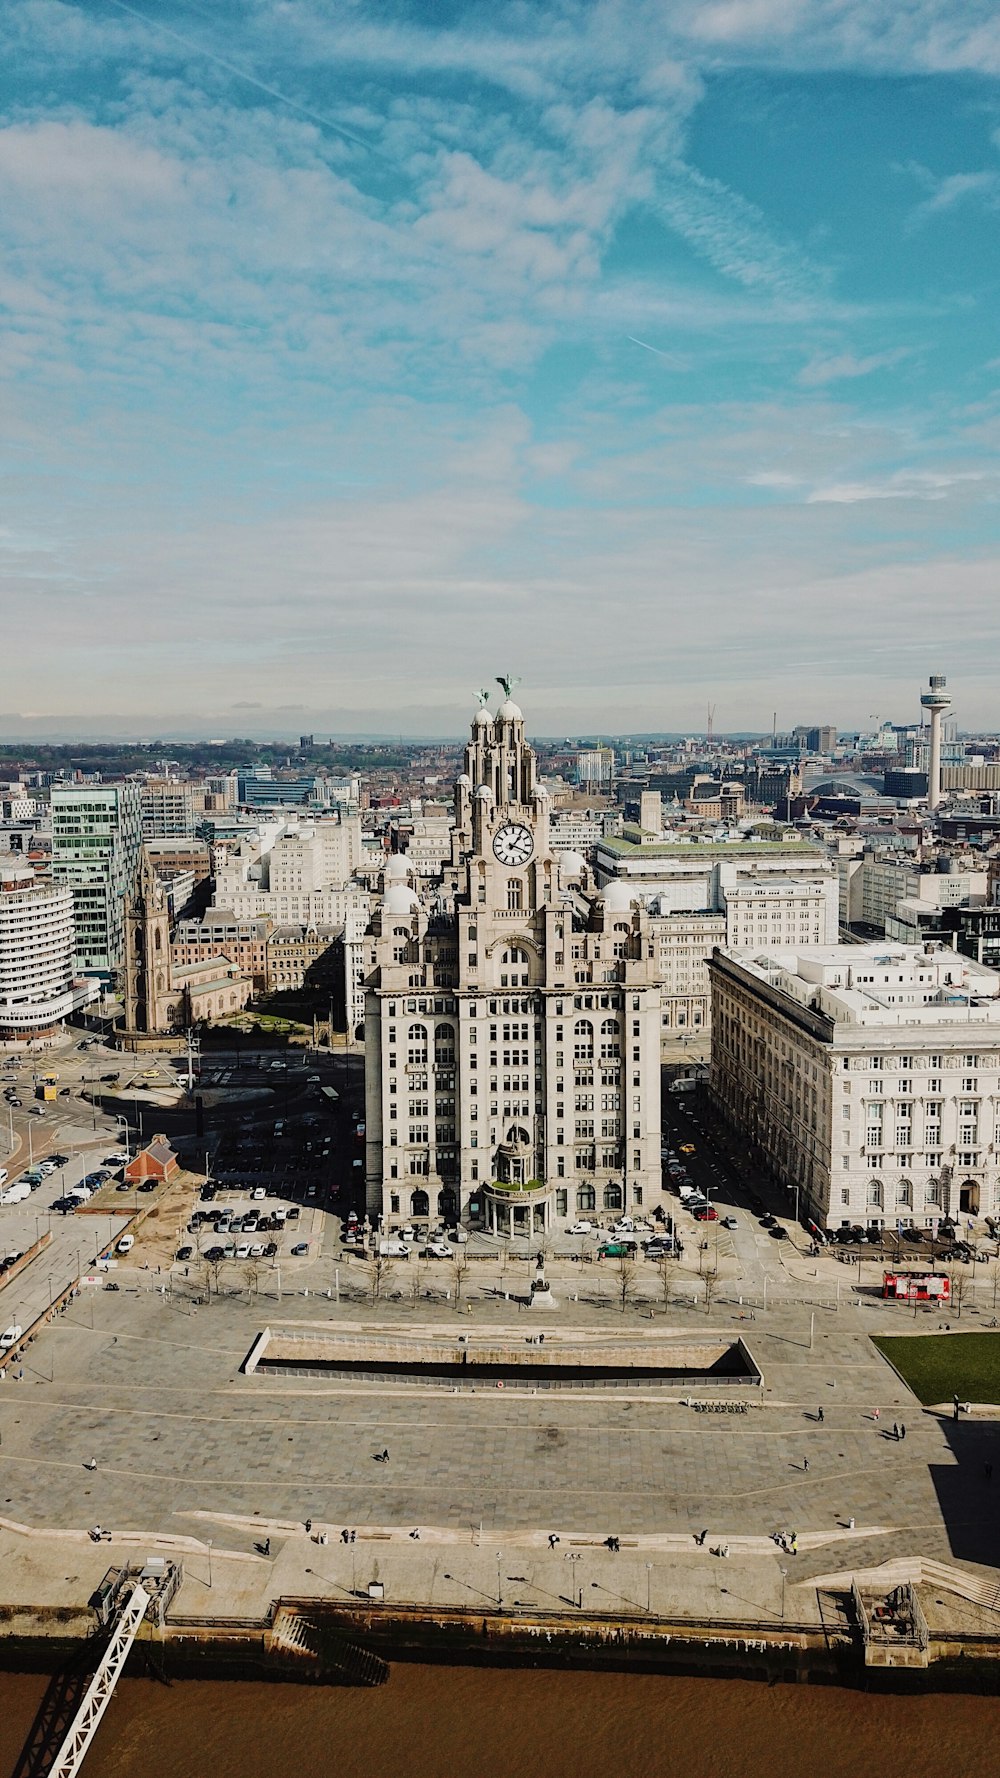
820, 1416
805, 1464
345, 1536
385, 1456
267, 1546
902, 1430
309, 1526
354, 1537
553, 1540
875, 1415
415, 1535
895, 1431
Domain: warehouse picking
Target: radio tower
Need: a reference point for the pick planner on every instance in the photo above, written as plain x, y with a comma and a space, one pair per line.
711, 719
937, 701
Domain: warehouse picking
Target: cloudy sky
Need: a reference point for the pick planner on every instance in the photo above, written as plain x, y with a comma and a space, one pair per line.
354, 351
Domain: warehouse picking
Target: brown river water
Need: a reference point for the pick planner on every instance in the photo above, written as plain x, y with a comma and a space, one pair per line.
460, 1722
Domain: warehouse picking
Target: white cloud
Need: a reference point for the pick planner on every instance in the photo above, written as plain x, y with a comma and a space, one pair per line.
845, 366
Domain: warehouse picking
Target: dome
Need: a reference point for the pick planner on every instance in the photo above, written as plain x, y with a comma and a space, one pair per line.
571, 865
396, 869
463, 781
542, 793
618, 897
509, 712
484, 792
399, 900
482, 718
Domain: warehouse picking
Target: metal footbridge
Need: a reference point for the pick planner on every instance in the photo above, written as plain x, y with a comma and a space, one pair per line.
98, 1694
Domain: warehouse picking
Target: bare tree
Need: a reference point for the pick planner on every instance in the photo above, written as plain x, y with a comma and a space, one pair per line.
214, 1267
251, 1278
380, 1269
418, 1273
958, 1286
625, 1281
665, 1273
459, 1273
711, 1279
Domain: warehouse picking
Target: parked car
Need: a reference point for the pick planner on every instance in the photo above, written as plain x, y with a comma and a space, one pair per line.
708, 1213
301, 1248
730, 1222
184, 1253
390, 1249
437, 1250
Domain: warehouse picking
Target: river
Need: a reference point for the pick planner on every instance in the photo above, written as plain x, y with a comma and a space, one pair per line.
462, 1722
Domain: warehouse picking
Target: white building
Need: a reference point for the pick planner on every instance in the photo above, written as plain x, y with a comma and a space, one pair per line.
867, 1075
168, 809
734, 893
512, 1065
36, 955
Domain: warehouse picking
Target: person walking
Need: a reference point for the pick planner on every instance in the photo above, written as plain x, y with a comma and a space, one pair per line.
902, 1430
895, 1431
820, 1416
805, 1465
875, 1415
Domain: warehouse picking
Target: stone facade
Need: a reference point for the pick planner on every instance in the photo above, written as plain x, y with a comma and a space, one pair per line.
511, 1026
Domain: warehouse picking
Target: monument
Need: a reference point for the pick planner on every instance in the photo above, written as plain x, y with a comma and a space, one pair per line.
541, 1294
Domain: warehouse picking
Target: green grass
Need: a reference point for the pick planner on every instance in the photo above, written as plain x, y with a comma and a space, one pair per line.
938, 1366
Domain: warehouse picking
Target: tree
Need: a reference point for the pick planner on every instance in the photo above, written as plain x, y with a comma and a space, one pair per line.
418, 1273
214, 1268
459, 1273
711, 1278
251, 1278
625, 1281
380, 1269
665, 1273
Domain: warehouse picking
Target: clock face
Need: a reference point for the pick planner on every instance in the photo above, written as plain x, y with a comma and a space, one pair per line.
513, 843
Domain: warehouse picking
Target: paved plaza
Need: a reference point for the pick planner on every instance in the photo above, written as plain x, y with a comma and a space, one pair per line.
188, 1450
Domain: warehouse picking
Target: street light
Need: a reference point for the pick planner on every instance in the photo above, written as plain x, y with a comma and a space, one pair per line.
649, 1572
784, 1576
499, 1582
576, 1582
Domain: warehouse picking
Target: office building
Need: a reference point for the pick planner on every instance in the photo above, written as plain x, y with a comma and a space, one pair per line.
512, 1054
36, 955
96, 835
867, 1077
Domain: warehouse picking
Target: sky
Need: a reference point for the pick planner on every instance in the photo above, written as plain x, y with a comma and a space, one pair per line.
353, 354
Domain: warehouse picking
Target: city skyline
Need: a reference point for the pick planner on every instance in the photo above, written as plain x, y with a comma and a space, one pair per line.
649, 345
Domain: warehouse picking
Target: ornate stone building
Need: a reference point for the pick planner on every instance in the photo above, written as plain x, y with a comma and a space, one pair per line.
511, 1026
161, 997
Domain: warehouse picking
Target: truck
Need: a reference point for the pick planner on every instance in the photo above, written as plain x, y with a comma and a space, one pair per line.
47, 1090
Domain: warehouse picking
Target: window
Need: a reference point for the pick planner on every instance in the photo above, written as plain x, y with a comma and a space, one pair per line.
514, 895
586, 1198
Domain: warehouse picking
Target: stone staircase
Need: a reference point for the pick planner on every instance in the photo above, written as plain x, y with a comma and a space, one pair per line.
324, 1651
919, 1571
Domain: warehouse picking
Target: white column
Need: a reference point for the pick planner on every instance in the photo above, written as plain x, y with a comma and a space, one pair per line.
934, 772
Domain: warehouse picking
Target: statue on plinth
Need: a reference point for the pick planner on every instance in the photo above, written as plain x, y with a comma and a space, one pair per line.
541, 1293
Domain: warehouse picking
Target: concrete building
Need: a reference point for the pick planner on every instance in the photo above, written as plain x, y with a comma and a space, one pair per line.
885, 882
867, 1077
702, 894
512, 1056
169, 857
36, 955
578, 830
168, 809
595, 768
302, 957
96, 835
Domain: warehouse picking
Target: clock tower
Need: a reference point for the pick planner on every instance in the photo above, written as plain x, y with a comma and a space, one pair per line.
511, 1029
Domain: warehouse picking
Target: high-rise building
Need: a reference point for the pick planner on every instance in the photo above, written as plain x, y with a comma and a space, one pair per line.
96, 835
512, 1054
36, 954
167, 809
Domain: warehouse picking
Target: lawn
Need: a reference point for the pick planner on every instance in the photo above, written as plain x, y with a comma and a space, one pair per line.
938, 1366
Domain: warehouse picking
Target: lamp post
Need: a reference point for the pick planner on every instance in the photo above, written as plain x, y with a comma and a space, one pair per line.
576, 1585
784, 1576
499, 1582
649, 1573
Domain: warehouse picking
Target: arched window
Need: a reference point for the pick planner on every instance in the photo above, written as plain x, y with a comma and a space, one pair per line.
514, 895
612, 1197
583, 1041
586, 1198
444, 1033
518, 1137
158, 940
417, 1034
609, 1027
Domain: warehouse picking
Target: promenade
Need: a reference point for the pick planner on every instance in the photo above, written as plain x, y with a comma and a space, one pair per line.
196, 1460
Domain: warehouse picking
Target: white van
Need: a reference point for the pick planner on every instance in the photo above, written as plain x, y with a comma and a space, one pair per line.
126, 1244
10, 1336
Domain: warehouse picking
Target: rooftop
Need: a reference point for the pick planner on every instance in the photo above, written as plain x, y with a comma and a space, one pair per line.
882, 983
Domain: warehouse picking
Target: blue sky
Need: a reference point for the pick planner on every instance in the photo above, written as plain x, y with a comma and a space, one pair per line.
351, 353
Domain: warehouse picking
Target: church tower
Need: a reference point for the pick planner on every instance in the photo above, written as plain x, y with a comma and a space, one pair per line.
147, 953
